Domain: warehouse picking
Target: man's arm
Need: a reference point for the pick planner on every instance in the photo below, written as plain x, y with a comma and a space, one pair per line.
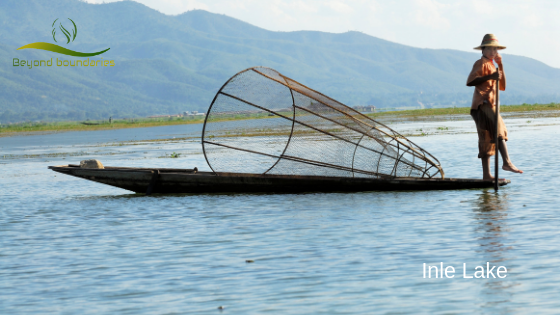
480, 80
498, 60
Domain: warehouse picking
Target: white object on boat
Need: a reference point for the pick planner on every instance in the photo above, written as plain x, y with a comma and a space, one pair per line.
91, 164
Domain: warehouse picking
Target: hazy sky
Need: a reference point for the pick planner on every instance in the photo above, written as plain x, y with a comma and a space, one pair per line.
527, 27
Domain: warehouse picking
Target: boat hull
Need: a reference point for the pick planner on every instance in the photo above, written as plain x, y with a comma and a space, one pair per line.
165, 181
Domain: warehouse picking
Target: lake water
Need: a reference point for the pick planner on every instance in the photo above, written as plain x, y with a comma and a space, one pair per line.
73, 246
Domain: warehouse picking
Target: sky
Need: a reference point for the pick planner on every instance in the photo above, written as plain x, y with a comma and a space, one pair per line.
528, 28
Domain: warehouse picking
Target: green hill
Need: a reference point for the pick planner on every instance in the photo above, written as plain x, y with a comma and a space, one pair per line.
169, 64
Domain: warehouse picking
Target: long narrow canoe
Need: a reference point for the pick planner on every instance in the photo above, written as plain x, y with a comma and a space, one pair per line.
166, 180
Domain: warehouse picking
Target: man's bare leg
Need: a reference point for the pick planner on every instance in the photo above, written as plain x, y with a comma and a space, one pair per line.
507, 165
486, 174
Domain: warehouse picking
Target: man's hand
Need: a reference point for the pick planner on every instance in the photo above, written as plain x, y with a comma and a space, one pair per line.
498, 59
495, 76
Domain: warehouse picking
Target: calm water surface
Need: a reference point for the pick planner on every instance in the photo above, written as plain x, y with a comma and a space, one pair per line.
72, 246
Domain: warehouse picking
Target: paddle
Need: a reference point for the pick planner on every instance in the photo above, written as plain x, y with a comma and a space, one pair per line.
496, 132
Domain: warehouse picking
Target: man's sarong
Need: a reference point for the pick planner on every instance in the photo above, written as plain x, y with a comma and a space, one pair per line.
485, 120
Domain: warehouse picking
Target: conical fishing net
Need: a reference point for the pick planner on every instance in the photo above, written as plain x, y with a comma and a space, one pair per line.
265, 123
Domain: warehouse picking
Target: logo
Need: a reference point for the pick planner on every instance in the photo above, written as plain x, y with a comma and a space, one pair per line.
69, 36
65, 31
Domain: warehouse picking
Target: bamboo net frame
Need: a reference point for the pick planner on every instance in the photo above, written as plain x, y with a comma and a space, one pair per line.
263, 122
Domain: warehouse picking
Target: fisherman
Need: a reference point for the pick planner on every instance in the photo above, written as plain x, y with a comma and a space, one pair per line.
483, 110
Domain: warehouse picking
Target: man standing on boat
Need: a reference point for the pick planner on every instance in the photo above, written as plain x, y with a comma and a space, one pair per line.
483, 110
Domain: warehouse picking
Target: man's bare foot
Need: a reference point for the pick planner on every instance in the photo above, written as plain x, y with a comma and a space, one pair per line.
487, 177
512, 168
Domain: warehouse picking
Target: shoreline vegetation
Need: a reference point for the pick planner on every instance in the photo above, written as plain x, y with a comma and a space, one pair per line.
23, 128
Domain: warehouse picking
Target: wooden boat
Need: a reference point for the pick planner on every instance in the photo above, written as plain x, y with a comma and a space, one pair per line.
310, 133
168, 180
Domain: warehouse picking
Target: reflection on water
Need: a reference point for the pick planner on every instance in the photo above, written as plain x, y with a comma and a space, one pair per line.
491, 214
491, 211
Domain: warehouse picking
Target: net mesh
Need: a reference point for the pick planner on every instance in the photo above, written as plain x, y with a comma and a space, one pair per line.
263, 122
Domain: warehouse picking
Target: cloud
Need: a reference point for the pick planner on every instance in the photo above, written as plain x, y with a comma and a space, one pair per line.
429, 13
532, 21
483, 7
340, 7
305, 7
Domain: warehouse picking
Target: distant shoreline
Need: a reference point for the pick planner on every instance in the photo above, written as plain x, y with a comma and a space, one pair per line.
29, 128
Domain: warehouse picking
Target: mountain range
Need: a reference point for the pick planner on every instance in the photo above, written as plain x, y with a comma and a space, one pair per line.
169, 64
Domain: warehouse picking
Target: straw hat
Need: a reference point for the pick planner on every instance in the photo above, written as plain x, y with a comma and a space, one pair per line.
490, 40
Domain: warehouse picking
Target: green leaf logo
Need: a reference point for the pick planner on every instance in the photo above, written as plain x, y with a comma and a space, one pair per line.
64, 31
69, 35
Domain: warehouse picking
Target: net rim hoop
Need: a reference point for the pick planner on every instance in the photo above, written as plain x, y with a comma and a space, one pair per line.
214, 100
